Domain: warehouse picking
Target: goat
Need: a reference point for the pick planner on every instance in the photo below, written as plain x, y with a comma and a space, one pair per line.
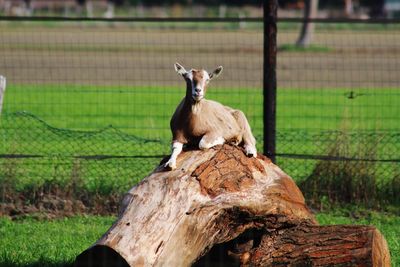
206, 123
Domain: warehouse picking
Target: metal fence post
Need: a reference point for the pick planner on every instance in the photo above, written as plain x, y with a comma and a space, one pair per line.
270, 49
2, 90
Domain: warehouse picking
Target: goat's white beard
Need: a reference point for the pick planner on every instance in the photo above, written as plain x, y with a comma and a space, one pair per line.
197, 98
196, 107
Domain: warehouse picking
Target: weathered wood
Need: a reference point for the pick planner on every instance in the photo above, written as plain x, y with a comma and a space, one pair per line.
310, 245
218, 205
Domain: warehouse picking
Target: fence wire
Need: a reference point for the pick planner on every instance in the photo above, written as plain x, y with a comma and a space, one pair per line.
338, 108
88, 103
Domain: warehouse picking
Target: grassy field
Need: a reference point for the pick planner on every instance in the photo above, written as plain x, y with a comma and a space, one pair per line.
58, 242
87, 109
48, 243
64, 124
145, 111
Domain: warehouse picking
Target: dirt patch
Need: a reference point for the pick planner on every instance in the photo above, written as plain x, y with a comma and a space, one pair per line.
125, 56
50, 206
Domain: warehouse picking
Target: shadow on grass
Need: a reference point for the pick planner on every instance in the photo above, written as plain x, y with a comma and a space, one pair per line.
35, 264
353, 175
96, 256
311, 48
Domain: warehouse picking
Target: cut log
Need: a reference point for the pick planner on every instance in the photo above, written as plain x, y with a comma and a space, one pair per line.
217, 207
310, 245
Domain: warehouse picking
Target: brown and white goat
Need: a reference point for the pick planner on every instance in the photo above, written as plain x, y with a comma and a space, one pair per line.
206, 123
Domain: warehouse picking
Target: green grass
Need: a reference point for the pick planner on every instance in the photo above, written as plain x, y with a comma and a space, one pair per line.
66, 121
52, 243
48, 243
76, 121
145, 111
142, 111
324, 27
282, 25
73, 121
311, 48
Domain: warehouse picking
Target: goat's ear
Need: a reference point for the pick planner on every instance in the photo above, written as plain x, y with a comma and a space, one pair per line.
216, 72
180, 69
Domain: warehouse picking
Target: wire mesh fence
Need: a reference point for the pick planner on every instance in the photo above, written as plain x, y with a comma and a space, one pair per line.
338, 109
88, 103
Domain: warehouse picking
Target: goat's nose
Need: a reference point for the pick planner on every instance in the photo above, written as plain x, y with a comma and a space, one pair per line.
197, 90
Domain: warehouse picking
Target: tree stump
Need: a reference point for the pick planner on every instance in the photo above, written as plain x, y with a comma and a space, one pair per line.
221, 208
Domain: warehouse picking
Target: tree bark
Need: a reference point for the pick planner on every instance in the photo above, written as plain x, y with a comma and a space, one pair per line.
310, 245
220, 208
307, 29
348, 8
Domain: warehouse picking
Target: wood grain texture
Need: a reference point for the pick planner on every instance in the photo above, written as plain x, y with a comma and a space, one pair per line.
221, 206
310, 245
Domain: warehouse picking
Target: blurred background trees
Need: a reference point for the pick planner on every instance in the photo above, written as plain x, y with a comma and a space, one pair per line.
221, 8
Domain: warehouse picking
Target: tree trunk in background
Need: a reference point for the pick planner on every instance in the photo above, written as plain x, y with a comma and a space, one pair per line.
307, 29
220, 207
348, 8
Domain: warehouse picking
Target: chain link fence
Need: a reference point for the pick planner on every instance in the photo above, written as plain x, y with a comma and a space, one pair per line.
88, 103
338, 110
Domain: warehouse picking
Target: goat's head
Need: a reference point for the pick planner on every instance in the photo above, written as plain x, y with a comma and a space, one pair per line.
196, 80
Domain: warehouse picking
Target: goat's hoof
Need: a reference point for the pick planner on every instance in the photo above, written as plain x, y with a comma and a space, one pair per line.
250, 151
2, 82
203, 145
170, 165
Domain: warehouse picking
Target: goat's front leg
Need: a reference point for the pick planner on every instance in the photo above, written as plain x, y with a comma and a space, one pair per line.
248, 138
208, 141
176, 148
